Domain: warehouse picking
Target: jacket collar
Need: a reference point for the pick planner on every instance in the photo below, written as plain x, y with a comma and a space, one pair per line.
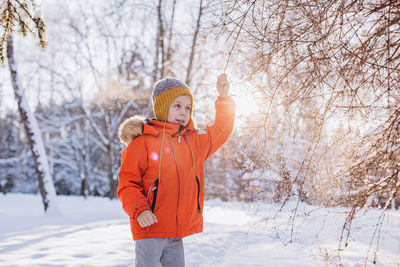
155, 127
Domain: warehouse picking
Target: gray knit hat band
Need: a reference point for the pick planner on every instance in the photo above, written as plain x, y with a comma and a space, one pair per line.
166, 84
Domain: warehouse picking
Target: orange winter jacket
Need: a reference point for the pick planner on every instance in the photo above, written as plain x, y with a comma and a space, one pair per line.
175, 192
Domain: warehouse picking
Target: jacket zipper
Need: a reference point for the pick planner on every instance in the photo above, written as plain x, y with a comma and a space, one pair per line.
179, 181
198, 194
155, 190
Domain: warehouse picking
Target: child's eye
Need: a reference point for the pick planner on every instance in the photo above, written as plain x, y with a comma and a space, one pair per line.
177, 105
187, 108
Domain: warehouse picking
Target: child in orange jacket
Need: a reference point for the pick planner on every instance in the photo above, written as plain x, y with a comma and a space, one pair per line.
161, 180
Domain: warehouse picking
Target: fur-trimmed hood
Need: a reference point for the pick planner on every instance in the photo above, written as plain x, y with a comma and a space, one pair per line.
131, 128
139, 125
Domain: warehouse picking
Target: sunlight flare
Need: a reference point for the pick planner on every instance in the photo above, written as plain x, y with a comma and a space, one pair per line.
245, 105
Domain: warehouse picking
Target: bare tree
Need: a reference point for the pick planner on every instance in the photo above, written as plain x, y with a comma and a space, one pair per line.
194, 44
159, 58
345, 56
16, 11
119, 85
33, 132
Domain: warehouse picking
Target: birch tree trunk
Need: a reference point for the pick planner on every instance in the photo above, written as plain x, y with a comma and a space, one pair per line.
33, 133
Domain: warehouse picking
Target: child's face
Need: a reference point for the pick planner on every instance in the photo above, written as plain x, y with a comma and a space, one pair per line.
179, 111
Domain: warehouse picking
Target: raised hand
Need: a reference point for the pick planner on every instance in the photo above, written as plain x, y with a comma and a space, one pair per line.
222, 85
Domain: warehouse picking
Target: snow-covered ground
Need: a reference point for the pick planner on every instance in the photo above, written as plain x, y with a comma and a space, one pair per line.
95, 232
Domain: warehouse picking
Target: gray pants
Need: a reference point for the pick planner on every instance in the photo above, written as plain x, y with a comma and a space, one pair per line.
168, 252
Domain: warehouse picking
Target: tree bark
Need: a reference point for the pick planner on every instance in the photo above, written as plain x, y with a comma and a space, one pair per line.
110, 173
160, 53
170, 34
33, 134
192, 52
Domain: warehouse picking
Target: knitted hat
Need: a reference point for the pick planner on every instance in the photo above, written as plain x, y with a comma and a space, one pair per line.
164, 93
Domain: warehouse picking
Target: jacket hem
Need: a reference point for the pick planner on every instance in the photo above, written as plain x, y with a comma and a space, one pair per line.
138, 236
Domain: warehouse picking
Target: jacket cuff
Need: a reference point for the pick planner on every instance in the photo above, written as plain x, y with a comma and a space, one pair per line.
225, 104
139, 210
225, 97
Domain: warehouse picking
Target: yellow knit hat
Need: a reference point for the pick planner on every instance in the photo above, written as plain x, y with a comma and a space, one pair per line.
164, 93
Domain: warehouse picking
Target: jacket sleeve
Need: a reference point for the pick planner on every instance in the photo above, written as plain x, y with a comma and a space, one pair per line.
130, 188
224, 119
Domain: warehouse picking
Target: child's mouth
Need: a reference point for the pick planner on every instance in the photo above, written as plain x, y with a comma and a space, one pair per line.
180, 122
